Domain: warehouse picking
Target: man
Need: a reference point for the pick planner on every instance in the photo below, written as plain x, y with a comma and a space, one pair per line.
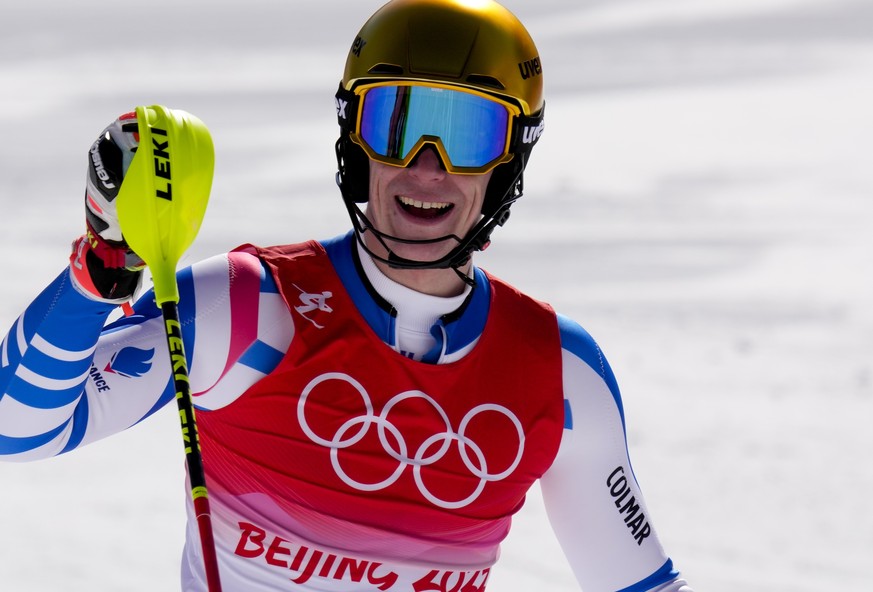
372, 408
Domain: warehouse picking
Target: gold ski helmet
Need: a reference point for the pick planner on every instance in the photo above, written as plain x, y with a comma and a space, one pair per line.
474, 49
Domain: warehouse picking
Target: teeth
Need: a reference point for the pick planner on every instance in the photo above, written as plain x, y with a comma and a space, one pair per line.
424, 205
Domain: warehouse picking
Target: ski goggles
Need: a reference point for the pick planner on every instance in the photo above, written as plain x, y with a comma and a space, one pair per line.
473, 132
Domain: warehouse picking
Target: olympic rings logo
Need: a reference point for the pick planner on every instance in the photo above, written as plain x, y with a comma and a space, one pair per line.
433, 449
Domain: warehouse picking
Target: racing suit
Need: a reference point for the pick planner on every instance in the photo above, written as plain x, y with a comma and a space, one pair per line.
356, 435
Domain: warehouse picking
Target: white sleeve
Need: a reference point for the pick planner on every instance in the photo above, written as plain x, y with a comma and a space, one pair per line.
592, 497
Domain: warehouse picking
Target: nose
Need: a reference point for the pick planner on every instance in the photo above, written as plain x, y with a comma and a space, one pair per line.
427, 166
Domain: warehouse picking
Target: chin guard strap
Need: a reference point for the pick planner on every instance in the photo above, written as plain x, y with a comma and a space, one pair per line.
477, 239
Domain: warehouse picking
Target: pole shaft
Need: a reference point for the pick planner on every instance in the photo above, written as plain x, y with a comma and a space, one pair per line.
191, 440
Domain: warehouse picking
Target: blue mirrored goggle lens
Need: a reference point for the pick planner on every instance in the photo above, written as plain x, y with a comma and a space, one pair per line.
472, 129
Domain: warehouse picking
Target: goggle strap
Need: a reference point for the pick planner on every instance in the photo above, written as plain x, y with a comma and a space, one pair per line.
346, 109
526, 131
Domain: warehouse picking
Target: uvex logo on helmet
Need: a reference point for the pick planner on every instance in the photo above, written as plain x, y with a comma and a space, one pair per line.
530, 68
358, 45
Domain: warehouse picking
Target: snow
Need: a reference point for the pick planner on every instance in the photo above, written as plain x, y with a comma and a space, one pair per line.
700, 201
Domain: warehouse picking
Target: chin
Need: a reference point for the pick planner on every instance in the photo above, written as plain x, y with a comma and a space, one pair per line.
420, 252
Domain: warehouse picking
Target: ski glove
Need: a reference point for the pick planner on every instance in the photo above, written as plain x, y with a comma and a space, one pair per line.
102, 264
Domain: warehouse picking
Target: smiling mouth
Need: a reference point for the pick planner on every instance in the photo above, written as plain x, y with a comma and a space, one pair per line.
424, 209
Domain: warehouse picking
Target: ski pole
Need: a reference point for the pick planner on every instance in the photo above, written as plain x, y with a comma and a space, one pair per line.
161, 205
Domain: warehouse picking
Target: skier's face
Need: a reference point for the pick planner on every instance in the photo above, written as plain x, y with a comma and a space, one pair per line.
423, 201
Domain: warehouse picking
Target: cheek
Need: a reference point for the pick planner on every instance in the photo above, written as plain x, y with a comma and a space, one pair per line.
476, 189
377, 190
380, 176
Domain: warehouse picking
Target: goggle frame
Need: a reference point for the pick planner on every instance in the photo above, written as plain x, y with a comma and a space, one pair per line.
514, 113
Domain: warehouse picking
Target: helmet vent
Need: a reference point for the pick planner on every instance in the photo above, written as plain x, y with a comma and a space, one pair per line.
482, 80
390, 69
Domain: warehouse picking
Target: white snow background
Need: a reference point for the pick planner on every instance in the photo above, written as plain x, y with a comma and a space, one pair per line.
700, 201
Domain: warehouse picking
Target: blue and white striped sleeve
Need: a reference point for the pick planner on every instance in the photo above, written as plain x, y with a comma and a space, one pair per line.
67, 380
46, 361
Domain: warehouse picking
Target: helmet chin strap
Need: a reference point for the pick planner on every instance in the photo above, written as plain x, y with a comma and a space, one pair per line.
475, 240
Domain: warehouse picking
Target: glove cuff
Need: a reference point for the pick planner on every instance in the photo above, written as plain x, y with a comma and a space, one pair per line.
112, 254
94, 278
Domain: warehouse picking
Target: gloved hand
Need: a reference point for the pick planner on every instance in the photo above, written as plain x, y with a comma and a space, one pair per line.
102, 264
